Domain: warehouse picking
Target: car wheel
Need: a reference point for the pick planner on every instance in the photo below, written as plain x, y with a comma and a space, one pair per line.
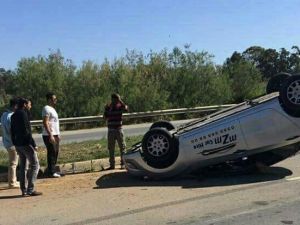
290, 95
163, 124
158, 147
276, 82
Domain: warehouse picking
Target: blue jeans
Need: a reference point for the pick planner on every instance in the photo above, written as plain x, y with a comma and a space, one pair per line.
28, 153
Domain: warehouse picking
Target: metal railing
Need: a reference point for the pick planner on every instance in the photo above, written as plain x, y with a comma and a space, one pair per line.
201, 109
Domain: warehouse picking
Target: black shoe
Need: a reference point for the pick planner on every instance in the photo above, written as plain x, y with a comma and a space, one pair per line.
24, 194
34, 193
110, 168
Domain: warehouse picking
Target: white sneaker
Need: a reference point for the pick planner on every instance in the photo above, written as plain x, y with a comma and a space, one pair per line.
14, 186
56, 175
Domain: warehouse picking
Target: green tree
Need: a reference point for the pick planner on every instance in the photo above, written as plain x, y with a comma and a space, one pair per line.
245, 80
157, 80
36, 76
270, 61
194, 79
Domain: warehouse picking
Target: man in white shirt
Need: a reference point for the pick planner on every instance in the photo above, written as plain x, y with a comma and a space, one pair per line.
51, 133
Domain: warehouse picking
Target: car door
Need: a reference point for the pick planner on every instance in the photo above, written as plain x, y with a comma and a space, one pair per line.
219, 138
267, 127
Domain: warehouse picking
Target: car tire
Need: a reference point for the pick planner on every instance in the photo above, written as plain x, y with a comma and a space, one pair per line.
159, 148
276, 82
289, 96
163, 124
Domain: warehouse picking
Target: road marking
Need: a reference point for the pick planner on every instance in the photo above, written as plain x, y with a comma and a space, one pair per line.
293, 178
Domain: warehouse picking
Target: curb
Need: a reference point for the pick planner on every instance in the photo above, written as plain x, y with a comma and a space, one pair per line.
93, 165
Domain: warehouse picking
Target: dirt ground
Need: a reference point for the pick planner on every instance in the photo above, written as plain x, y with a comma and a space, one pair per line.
66, 185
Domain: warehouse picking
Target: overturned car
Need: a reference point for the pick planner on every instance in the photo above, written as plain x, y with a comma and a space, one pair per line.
265, 130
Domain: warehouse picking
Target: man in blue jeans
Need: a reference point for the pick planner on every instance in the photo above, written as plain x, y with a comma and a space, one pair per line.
22, 139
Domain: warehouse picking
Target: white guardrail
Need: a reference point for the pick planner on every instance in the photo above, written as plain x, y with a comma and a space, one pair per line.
85, 119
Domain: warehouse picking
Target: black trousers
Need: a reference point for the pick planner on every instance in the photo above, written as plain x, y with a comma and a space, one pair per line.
52, 153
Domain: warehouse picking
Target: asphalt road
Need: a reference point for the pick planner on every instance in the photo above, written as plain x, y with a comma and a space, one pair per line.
113, 197
96, 133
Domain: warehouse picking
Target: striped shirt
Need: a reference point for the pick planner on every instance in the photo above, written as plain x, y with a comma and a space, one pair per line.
113, 115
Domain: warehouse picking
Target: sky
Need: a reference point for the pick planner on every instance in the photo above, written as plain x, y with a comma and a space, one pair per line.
97, 29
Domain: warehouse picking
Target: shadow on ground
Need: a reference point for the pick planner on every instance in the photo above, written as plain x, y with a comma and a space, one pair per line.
11, 197
200, 180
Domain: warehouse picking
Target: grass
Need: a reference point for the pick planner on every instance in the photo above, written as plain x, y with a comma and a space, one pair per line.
75, 152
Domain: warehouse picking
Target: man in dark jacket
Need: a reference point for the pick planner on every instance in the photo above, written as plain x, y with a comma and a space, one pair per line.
113, 114
22, 138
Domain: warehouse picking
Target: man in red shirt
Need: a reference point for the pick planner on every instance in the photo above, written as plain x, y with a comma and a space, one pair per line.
113, 115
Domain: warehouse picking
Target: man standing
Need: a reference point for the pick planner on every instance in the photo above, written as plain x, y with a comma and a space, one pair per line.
51, 133
28, 108
26, 148
113, 114
7, 142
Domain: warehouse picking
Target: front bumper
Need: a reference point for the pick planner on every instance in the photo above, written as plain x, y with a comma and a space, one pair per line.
137, 166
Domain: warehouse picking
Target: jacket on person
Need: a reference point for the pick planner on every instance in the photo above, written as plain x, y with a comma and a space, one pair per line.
20, 129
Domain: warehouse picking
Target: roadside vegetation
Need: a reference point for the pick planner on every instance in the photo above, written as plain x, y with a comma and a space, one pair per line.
152, 81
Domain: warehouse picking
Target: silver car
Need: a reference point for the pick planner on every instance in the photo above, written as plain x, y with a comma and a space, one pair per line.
265, 130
